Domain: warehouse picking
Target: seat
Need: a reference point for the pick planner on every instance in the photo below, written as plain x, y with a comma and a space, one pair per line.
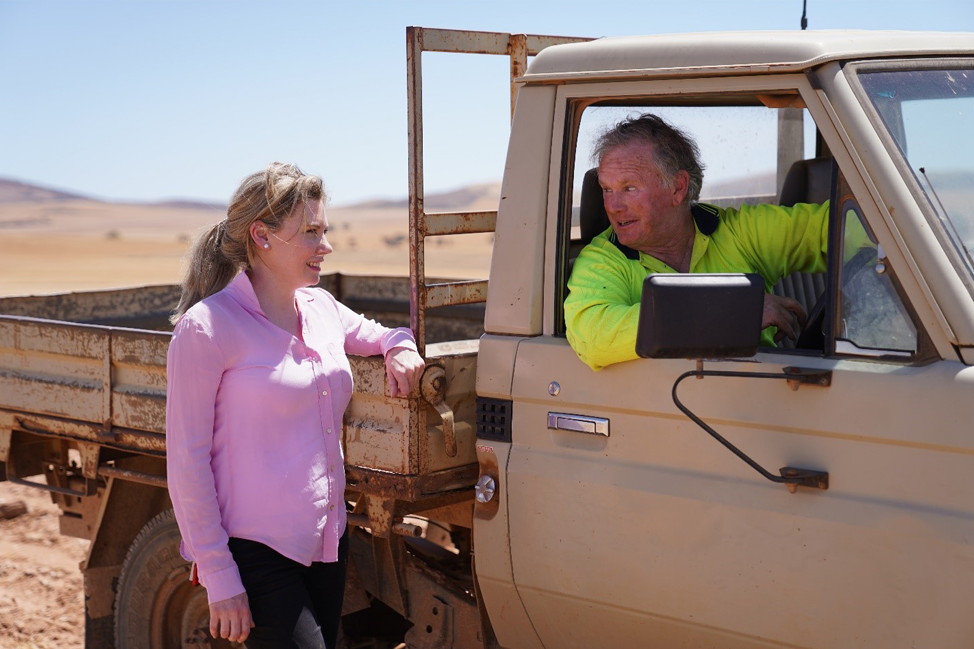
592, 218
807, 181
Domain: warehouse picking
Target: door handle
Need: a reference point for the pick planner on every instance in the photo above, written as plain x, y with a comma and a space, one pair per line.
578, 423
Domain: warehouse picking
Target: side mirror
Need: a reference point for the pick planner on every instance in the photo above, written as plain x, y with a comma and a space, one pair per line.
700, 315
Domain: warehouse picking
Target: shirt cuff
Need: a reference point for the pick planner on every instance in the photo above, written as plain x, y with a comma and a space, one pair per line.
222, 584
398, 338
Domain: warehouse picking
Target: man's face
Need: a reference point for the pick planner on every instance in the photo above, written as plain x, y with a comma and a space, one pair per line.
644, 208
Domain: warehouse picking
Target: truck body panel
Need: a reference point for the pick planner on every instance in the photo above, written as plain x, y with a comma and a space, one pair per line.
517, 308
655, 526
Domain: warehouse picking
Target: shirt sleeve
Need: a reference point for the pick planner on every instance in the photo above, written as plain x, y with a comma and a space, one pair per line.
366, 337
194, 370
601, 316
782, 240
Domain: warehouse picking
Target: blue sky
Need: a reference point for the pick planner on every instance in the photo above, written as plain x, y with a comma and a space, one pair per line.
149, 100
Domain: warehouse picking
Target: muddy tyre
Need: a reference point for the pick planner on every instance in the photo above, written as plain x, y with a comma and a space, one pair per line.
156, 606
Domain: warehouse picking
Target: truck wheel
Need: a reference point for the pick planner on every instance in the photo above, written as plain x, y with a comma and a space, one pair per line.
156, 606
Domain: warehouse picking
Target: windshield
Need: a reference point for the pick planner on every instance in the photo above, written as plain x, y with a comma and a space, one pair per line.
930, 116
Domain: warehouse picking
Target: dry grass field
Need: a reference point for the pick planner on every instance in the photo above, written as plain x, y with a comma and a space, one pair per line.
77, 245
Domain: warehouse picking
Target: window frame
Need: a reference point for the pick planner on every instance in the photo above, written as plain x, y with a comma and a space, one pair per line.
925, 351
573, 100
852, 72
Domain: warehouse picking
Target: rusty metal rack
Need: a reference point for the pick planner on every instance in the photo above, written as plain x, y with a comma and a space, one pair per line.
422, 224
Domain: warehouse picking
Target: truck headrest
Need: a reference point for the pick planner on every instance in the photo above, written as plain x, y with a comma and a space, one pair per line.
591, 215
807, 181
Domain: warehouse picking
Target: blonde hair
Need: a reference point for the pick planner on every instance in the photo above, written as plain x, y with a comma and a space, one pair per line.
227, 248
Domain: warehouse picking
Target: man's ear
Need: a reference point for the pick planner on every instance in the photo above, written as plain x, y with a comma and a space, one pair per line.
680, 187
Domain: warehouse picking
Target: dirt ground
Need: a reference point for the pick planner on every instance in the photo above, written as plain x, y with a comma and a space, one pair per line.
41, 597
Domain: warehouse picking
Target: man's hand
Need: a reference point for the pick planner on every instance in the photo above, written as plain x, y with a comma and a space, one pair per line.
785, 313
230, 618
404, 368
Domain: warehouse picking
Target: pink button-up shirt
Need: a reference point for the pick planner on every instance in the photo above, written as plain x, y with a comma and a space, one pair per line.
253, 427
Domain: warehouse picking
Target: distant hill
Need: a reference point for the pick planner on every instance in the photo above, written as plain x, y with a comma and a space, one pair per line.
190, 205
15, 191
472, 197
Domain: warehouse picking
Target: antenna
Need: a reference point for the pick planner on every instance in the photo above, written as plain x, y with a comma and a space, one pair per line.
943, 210
804, 15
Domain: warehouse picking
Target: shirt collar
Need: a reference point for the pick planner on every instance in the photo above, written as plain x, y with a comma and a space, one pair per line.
700, 241
242, 290
706, 218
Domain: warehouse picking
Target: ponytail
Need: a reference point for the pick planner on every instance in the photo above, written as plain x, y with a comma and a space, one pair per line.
209, 269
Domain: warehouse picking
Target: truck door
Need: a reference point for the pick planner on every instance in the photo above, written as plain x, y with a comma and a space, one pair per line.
631, 527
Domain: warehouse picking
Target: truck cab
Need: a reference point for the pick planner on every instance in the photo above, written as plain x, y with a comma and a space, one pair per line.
614, 519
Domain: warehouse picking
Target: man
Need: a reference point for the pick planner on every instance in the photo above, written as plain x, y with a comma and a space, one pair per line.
651, 179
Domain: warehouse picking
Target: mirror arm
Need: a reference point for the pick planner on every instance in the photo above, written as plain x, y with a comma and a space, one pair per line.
789, 476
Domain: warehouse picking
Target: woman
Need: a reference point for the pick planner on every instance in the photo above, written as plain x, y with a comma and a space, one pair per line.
258, 382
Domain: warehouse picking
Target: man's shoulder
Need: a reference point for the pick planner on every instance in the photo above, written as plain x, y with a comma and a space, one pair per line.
603, 261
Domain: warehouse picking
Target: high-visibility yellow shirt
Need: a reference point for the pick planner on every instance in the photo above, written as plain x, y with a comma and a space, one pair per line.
605, 288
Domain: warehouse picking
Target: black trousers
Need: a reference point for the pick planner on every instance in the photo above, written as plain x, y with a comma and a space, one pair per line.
293, 605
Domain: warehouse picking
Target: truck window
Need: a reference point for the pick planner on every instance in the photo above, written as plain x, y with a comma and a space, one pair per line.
738, 147
740, 143
872, 319
750, 159
928, 115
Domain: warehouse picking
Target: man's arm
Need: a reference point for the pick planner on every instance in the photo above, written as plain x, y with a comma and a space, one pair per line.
783, 240
601, 313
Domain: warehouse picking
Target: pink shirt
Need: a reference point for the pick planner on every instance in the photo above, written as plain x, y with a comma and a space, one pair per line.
253, 427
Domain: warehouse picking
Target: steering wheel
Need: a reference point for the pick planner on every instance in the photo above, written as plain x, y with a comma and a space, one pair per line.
813, 336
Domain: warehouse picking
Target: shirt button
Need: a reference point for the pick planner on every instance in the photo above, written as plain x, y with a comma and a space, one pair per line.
324, 393
328, 430
331, 468
331, 507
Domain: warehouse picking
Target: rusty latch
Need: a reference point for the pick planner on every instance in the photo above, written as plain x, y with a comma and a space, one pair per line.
434, 391
799, 376
804, 478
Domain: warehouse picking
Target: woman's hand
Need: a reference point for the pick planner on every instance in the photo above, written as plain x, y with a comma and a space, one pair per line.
230, 618
404, 369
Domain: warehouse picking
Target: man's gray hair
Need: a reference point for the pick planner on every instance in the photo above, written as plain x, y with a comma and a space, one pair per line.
674, 150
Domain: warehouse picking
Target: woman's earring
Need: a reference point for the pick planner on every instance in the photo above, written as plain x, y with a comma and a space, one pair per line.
266, 246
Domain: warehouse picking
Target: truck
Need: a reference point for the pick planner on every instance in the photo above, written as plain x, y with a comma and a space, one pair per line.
518, 498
